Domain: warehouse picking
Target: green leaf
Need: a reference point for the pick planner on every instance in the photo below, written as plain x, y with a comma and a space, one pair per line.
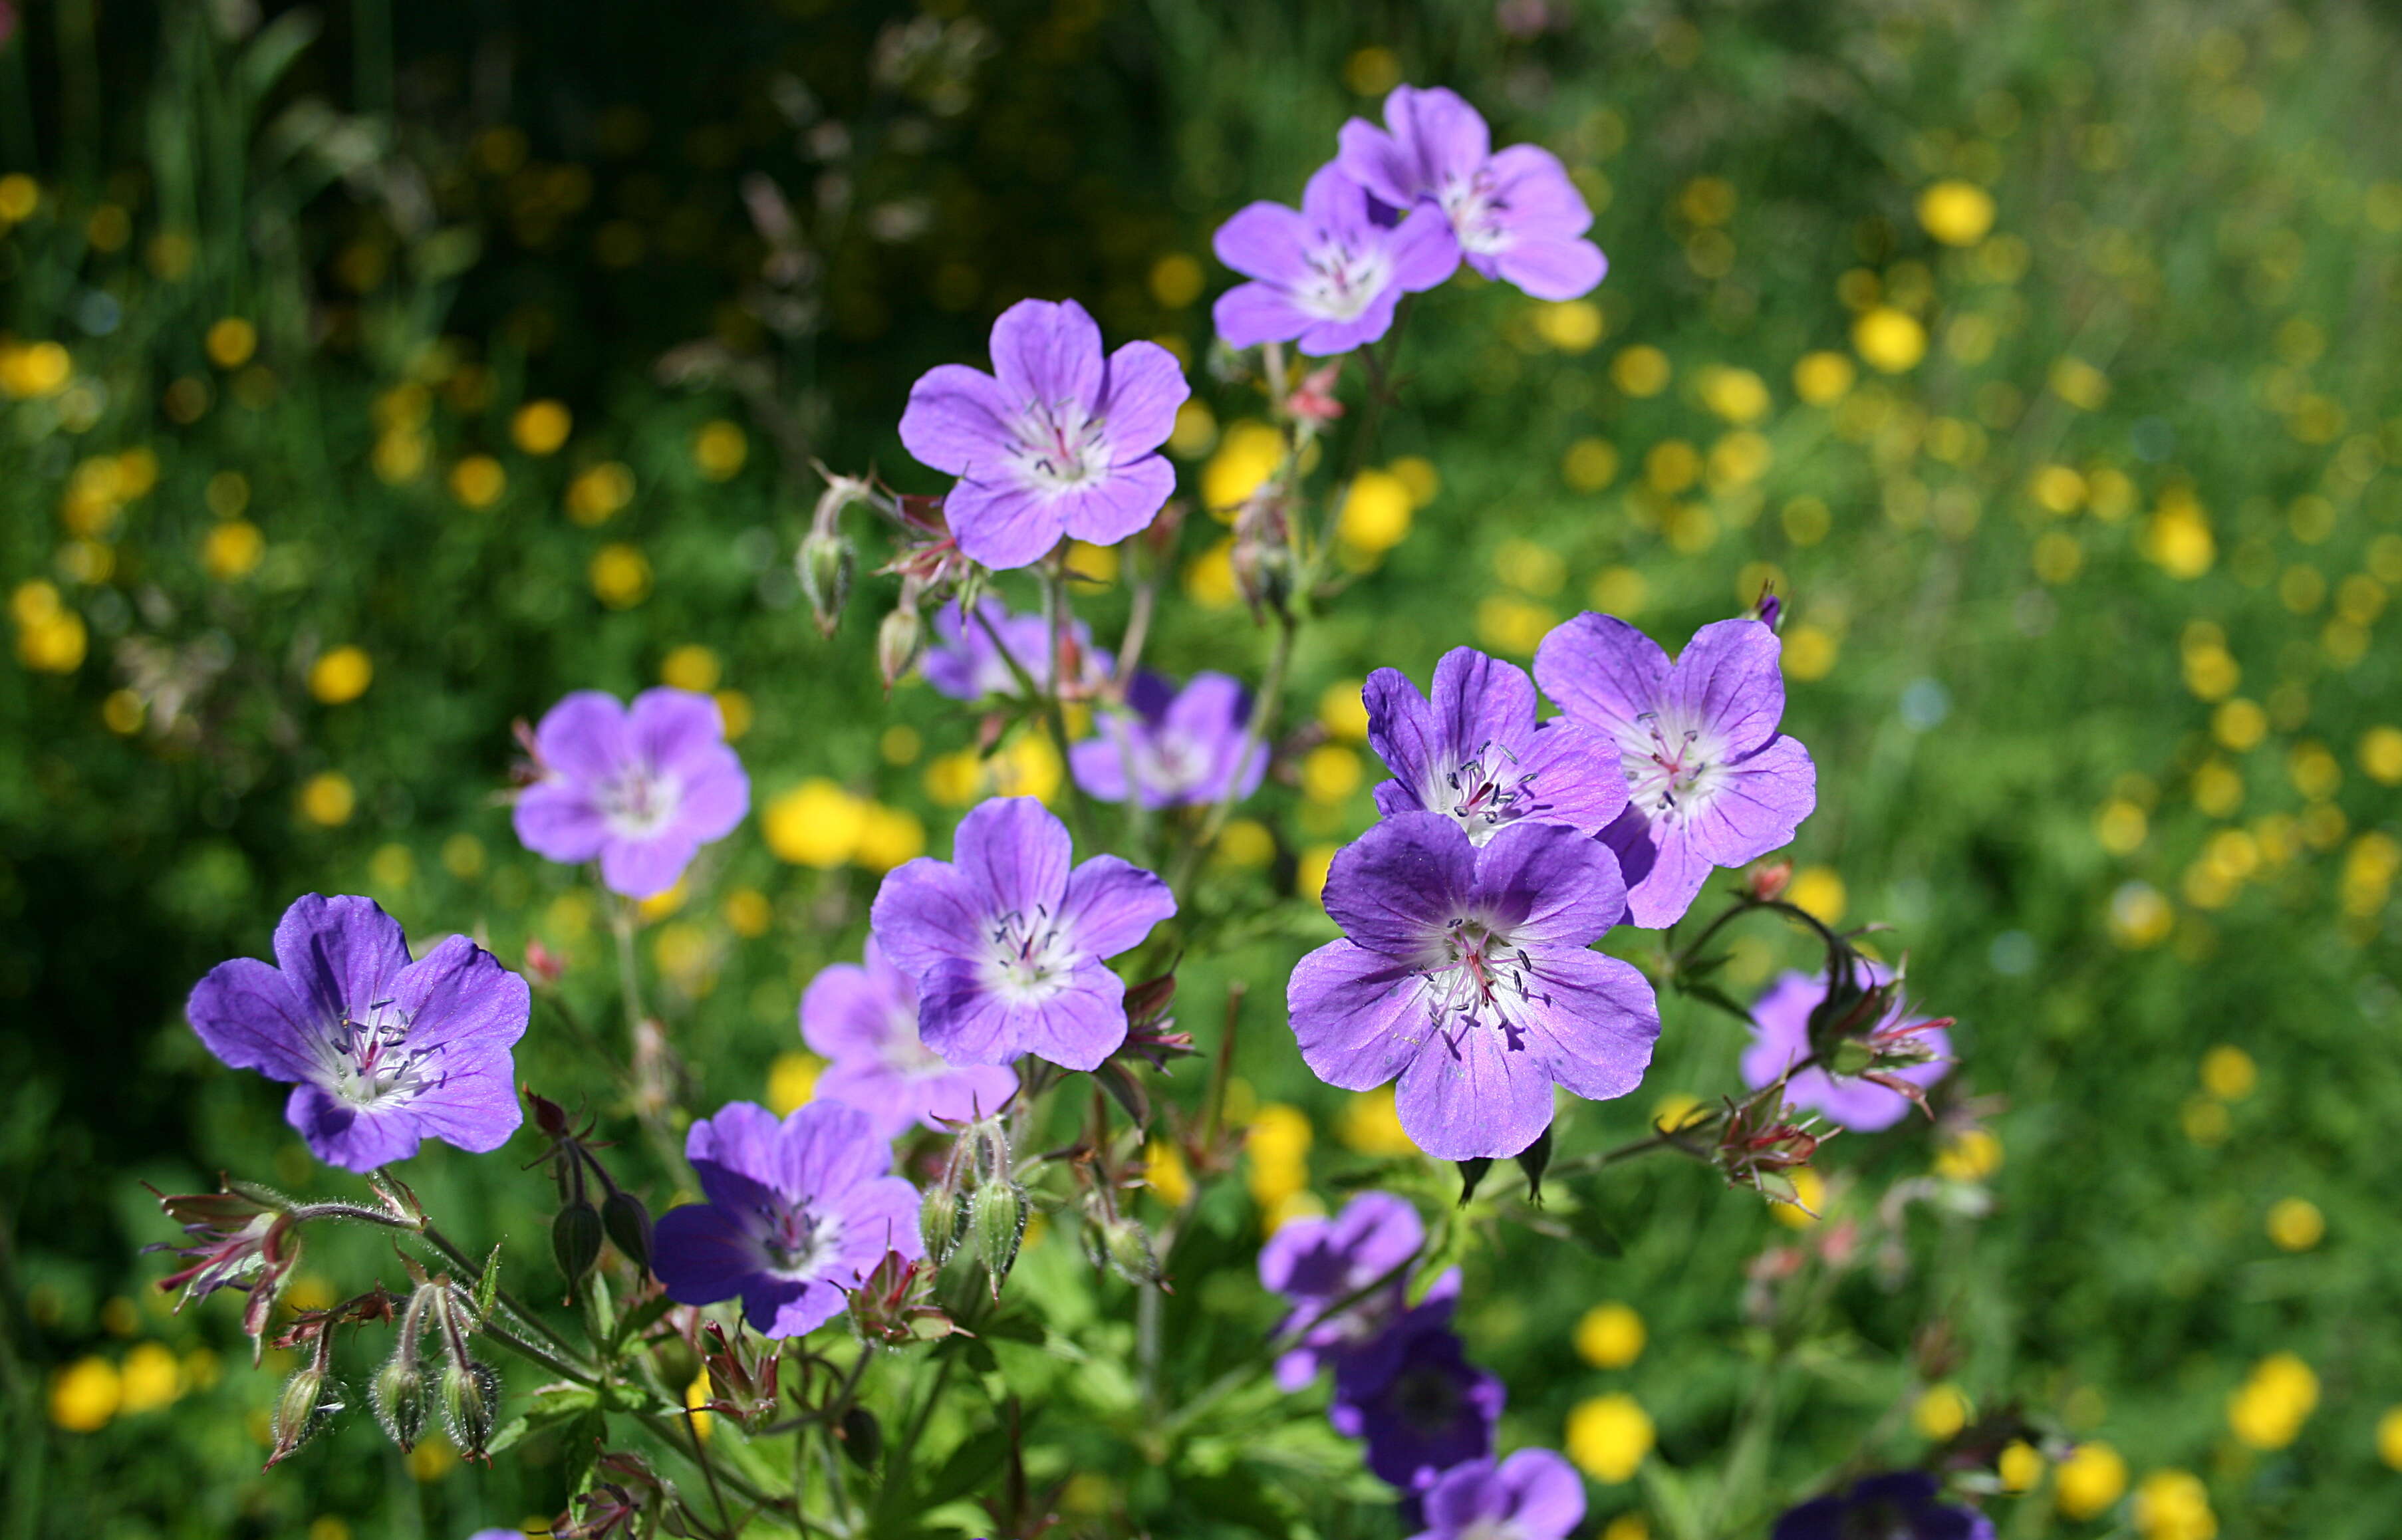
551, 1408
970, 1466
639, 1319
488, 1287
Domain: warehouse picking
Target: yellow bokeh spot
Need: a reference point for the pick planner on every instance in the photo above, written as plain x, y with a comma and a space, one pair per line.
2267, 1410
2239, 725
1809, 652
665, 901
1507, 623
1822, 378
150, 1378
230, 342
541, 427
1371, 1123
620, 575
2177, 539
50, 637
1331, 772
1957, 212
691, 667
1245, 844
231, 549
85, 1395
816, 823
479, 481
2079, 383
1209, 578
718, 450
1572, 327
1611, 1335
327, 799
748, 912
2173, 1505
392, 868
792, 1080
1310, 870
2058, 557
1809, 1200
2296, 1224
1641, 370
2380, 755
1941, 1412
1889, 340
1674, 1110
37, 370
1627, 1526
889, 836
123, 711
2228, 1073
1608, 1436
20, 196
2140, 916
1164, 1171
2389, 1437
2060, 488
341, 675
733, 713
1376, 512
1417, 473
2019, 1466
1343, 710
696, 1396
1590, 464
2094, 1477
1738, 395
1247, 454
2121, 827
1670, 466
1818, 890
1176, 280
1372, 71
1619, 591
1195, 431
596, 494
1970, 1155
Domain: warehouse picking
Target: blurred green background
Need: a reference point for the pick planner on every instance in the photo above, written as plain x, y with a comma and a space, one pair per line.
371, 375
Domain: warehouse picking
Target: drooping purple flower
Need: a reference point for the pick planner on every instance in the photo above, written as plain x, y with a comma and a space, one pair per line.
965, 662
1516, 215
385, 1052
1780, 1038
1904, 1505
1327, 275
1433, 1411
1713, 782
1534, 1494
863, 1019
1183, 747
1318, 1262
797, 1212
1006, 944
1475, 753
643, 789
1464, 972
1058, 440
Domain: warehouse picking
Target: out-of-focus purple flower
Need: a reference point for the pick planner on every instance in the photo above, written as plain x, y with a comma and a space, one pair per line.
1780, 1038
966, 664
1475, 753
1006, 944
797, 1212
1464, 972
1900, 1505
641, 789
863, 1019
1534, 1494
1713, 782
1183, 746
1516, 215
1058, 440
1433, 1411
385, 1052
1328, 275
1317, 1262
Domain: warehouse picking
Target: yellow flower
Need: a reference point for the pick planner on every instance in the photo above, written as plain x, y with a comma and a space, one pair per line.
1738, 395
1247, 454
20, 196
1971, 1155
620, 575
2019, 1467
1195, 430
816, 823
1941, 1412
2059, 489
1822, 378
2268, 1411
341, 675
888, 836
1572, 327
792, 1080
2228, 1073
2094, 1477
691, 667
37, 370
1176, 280
2380, 755
50, 637
1641, 370
2079, 383
2173, 1505
1309, 873
1818, 890
1507, 623
1246, 843
1330, 773
327, 799
748, 912
1209, 578
1371, 1123
1163, 1169
1889, 340
231, 549
479, 481
1609, 1335
2389, 1437
1590, 465
2139, 915
1809, 1200
1342, 712
2296, 1224
85, 1395
719, 450
151, 1377
123, 712
1809, 652
1957, 212
598, 493
1607, 1437
1376, 513
2177, 539
733, 713
540, 427
2120, 826
230, 342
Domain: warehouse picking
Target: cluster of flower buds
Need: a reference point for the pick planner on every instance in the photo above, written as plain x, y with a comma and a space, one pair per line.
406, 1391
581, 1225
627, 1498
243, 1237
894, 1305
977, 1203
312, 1397
741, 1373
1862, 1027
1761, 1142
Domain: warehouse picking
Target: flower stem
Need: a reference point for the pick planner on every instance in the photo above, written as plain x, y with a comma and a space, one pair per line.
1056, 612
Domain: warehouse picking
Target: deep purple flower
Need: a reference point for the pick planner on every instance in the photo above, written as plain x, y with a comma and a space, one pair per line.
1900, 1505
1713, 782
1516, 215
1433, 1411
1057, 440
1476, 754
863, 1019
966, 664
797, 1213
1464, 971
1317, 1262
1006, 944
1328, 274
1184, 746
385, 1052
1780, 1038
1535, 1494
641, 789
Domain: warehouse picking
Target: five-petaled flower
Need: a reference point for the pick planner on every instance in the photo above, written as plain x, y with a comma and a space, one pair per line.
1713, 782
798, 1212
1465, 970
1059, 439
1433, 1411
1006, 944
1475, 753
641, 789
1188, 746
1534, 1494
971, 655
1905, 1504
385, 1051
1780, 1038
862, 1017
1319, 1263
1326, 276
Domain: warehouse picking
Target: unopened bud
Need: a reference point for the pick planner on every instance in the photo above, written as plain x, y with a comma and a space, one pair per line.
1534, 1160
827, 564
862, 1438
471, 1404
307, 1403
1851, 1057
1768, 883
997, 1214
397, 1392
628, 1224
575, 1241
942, 1222
897, 642
1126, 1247
1769, 610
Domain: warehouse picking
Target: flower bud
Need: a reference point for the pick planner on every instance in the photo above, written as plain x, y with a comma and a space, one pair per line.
862, 1438
308, 1402
996, 1215
1534, 1160
827, 564
1768, 883
1123, 1246
942, 1222
397, 1392
897, 644
471, 1404
575, 1241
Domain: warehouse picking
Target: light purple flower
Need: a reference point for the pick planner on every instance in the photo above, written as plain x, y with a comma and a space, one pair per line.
1433, 1411
1058, 440
1464, 972
1516, 215
1534, 1494
1006, 944
797, 1213
1328, 274
1185, 747
1317, 1262
1780, 1038
966, 664
1713, 782
1476, 754
643, 789
863, 1020
385, 1052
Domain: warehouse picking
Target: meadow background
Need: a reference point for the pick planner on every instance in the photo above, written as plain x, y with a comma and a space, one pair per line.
371, 375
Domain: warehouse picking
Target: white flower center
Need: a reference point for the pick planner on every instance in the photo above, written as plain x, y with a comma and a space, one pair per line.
1030, 957
369, 1062
1476, 973
639, 803
906, 1053
1475, 209
1483, 791
1342, 282
1493, 1529
1059, 446
800, 1245
1673, 768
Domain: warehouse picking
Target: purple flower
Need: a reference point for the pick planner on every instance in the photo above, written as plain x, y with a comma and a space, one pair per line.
1476, 754
966, 664
1433, 1411
643, 789
797, 1213
1057, 440
1516, 215
1900, 1505
385, 1052
1184, 746
1713, 782
1780, 1038
863, 1019
1464, 972
1329, 273
1532, 1495
1006, 944
1317, 1262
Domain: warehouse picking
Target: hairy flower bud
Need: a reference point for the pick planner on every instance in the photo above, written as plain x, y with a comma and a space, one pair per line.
942, 1222
827, 564
898, 642
575, 1241
471, 1404
1123, 1246
398, 1395
307, 1403
996, 1215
